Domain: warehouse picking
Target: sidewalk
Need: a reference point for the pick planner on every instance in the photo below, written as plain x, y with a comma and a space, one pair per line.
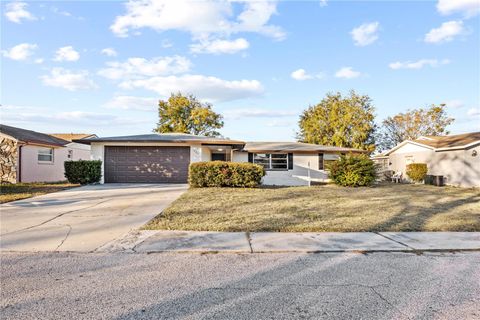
262, 242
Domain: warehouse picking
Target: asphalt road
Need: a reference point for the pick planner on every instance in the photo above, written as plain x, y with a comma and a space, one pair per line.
240, 286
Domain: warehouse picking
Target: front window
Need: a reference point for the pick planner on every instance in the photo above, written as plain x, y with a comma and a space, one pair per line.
325, 160
272, 161
45, 154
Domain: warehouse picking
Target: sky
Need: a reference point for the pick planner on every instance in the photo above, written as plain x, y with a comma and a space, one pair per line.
101, 66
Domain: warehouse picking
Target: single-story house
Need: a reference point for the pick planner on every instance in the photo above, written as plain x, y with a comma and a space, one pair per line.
456, 157
164, 158
30, 156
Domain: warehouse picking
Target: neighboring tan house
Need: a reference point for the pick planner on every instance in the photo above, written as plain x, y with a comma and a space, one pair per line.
456, 157
164, 158
30, 156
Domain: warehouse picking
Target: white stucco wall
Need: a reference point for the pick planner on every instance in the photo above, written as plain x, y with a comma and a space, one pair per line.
299, 176
33, 170
459, 167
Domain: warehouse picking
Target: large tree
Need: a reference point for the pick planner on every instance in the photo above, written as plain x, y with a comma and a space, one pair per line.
186, 114
431, 121
341, 121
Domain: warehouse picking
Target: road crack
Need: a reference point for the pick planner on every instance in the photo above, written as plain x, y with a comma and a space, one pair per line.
66, 236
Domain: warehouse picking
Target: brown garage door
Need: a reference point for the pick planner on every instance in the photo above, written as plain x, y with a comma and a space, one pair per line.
147, 164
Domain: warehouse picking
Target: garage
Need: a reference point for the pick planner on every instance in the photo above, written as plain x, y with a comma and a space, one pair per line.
146, 164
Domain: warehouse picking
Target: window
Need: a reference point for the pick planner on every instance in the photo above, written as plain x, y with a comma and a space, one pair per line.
272, 161
325, 160
70, 154
45, 154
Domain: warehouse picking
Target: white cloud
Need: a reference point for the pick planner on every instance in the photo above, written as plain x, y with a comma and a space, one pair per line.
66, 54
205, 88
220, 46
469, 8
445, 33
323, 3
20, 52
61, 12
17, 11
39, 61
258, 113
474, 112
365, 34
132, 103
301, 74
200, 18
418, 64
347, 73
456, 104
66, 79
109, 52
141, 67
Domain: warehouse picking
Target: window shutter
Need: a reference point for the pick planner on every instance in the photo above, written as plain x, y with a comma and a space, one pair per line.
290, 161
250, 157
320, 161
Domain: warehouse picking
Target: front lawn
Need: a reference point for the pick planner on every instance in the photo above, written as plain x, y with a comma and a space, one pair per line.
12, 192
386, 207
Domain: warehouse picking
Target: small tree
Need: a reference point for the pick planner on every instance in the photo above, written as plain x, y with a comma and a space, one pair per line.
353, 171
186, 114
417, 171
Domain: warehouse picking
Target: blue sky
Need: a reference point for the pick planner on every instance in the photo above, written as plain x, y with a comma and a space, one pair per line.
100, 67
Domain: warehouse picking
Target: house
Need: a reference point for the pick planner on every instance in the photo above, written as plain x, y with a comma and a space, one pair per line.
163, 158
456, 157
30, 156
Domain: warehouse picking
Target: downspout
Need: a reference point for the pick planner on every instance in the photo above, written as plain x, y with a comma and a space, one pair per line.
19, 164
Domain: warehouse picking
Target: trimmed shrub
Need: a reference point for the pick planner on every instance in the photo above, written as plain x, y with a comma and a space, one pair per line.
225, 174
83, 171
353, 171
417, 171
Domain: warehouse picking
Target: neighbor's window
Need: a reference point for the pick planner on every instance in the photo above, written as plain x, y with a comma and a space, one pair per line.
272, 161
45, 154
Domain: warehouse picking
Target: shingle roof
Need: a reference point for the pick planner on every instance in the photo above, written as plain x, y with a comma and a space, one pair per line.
452, 141
293, 146
162, 137
73, 136
33, 137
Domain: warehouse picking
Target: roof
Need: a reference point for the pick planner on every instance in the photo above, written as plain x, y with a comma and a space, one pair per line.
162, 137
451, 141
443, 143
293, 146
73, 136
32, 137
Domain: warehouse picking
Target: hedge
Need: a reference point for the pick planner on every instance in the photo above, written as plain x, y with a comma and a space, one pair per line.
417, 171
83, 171
225, 174
353, 171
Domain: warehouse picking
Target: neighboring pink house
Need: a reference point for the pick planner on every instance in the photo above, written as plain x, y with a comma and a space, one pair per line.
30, 156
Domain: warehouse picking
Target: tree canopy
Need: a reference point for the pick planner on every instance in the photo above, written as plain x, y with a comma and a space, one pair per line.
431, 121
186, 114
339, 121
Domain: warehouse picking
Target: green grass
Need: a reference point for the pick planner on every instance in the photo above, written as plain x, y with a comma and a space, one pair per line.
385, 207
12, 192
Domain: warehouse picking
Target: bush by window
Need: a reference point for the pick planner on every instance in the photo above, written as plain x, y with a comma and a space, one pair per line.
83, 171
417, 171
353, 171
225, 174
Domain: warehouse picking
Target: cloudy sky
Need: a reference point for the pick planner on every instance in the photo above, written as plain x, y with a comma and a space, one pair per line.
101, 67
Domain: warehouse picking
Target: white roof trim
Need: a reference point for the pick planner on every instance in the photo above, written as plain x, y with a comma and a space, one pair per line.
401, 144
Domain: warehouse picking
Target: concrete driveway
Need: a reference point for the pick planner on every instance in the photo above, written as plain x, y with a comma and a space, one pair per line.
81, 219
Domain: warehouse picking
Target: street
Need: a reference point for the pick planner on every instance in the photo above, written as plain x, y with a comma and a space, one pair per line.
240, 286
